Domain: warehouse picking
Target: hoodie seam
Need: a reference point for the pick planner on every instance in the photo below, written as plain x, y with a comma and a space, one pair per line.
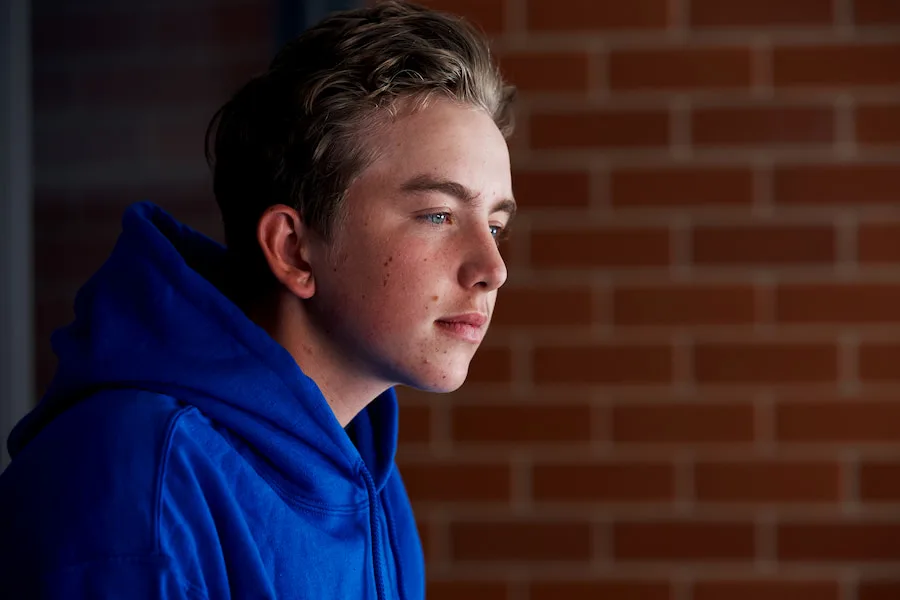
161, 475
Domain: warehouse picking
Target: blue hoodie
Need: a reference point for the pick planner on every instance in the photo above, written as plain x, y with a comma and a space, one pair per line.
180, 452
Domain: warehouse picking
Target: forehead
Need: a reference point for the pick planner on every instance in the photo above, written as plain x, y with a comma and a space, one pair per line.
444, 140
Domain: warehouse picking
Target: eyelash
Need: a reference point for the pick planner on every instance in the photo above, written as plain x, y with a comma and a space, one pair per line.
500, 234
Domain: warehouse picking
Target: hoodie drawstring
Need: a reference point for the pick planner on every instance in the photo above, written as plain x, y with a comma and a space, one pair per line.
375, 526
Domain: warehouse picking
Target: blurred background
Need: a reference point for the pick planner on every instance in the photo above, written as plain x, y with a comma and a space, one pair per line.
690, 391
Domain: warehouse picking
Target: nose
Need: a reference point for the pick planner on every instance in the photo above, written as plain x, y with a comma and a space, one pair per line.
482, 265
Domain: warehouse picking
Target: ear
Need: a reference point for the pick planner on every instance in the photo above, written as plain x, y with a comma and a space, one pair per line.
285, 241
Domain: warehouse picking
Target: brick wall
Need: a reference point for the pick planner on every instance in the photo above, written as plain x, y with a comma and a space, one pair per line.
691, 388
689, 392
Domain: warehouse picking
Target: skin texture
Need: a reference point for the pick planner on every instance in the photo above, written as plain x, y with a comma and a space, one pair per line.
418, 244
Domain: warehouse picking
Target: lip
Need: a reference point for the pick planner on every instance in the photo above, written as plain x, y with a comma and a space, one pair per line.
469, 326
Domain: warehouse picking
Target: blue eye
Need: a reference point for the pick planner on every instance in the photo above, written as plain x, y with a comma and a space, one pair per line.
437, 218
496, 231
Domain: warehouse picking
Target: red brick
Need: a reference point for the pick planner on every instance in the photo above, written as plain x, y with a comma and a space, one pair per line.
878, 590
143, 87
876, 12
767, 590
878, 124
470, 590
546, 72
50, 315
836, 66
607, 129
534, 306
491, 365
851, 541
620, 247
552, 189
87, 34
489, 15
853, 421
602, 15
676, 68
683, 541
684, 305
457, 482
763, 245
767, 482
761, 13
213, 26
683, 423
681, 187
762, 125
177, 140
610, 364
603, 482
521, 541
86, 145
415, 423
426, 536
607, 590
71, 260
45, 365
521, 423
99, 208
764, 362
837, 303
878, 361
879, 481
53, 88
838, 184
878, 243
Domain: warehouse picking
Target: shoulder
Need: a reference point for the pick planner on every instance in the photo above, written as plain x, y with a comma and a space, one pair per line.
87, 485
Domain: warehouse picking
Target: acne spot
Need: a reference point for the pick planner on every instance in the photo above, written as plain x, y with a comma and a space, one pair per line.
434, 298
390, 259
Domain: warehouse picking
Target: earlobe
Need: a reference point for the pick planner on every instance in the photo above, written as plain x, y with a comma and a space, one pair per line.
285, 240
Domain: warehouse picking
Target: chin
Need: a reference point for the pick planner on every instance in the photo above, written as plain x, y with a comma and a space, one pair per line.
442, 382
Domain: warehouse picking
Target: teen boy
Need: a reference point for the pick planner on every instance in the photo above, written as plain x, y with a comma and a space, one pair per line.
223, 422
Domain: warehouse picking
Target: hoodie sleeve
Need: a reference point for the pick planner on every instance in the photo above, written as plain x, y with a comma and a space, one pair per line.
133, 577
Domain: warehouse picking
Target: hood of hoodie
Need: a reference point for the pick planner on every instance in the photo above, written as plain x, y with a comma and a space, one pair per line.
153, 318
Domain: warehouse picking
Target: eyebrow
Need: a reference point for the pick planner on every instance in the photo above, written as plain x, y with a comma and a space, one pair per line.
427, 183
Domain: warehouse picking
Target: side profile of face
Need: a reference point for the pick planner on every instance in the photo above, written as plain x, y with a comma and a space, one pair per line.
407, 285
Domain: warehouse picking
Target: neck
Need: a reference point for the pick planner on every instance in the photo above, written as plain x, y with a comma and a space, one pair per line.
347, 390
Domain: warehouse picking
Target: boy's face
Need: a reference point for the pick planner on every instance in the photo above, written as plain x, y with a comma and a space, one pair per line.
407, 286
